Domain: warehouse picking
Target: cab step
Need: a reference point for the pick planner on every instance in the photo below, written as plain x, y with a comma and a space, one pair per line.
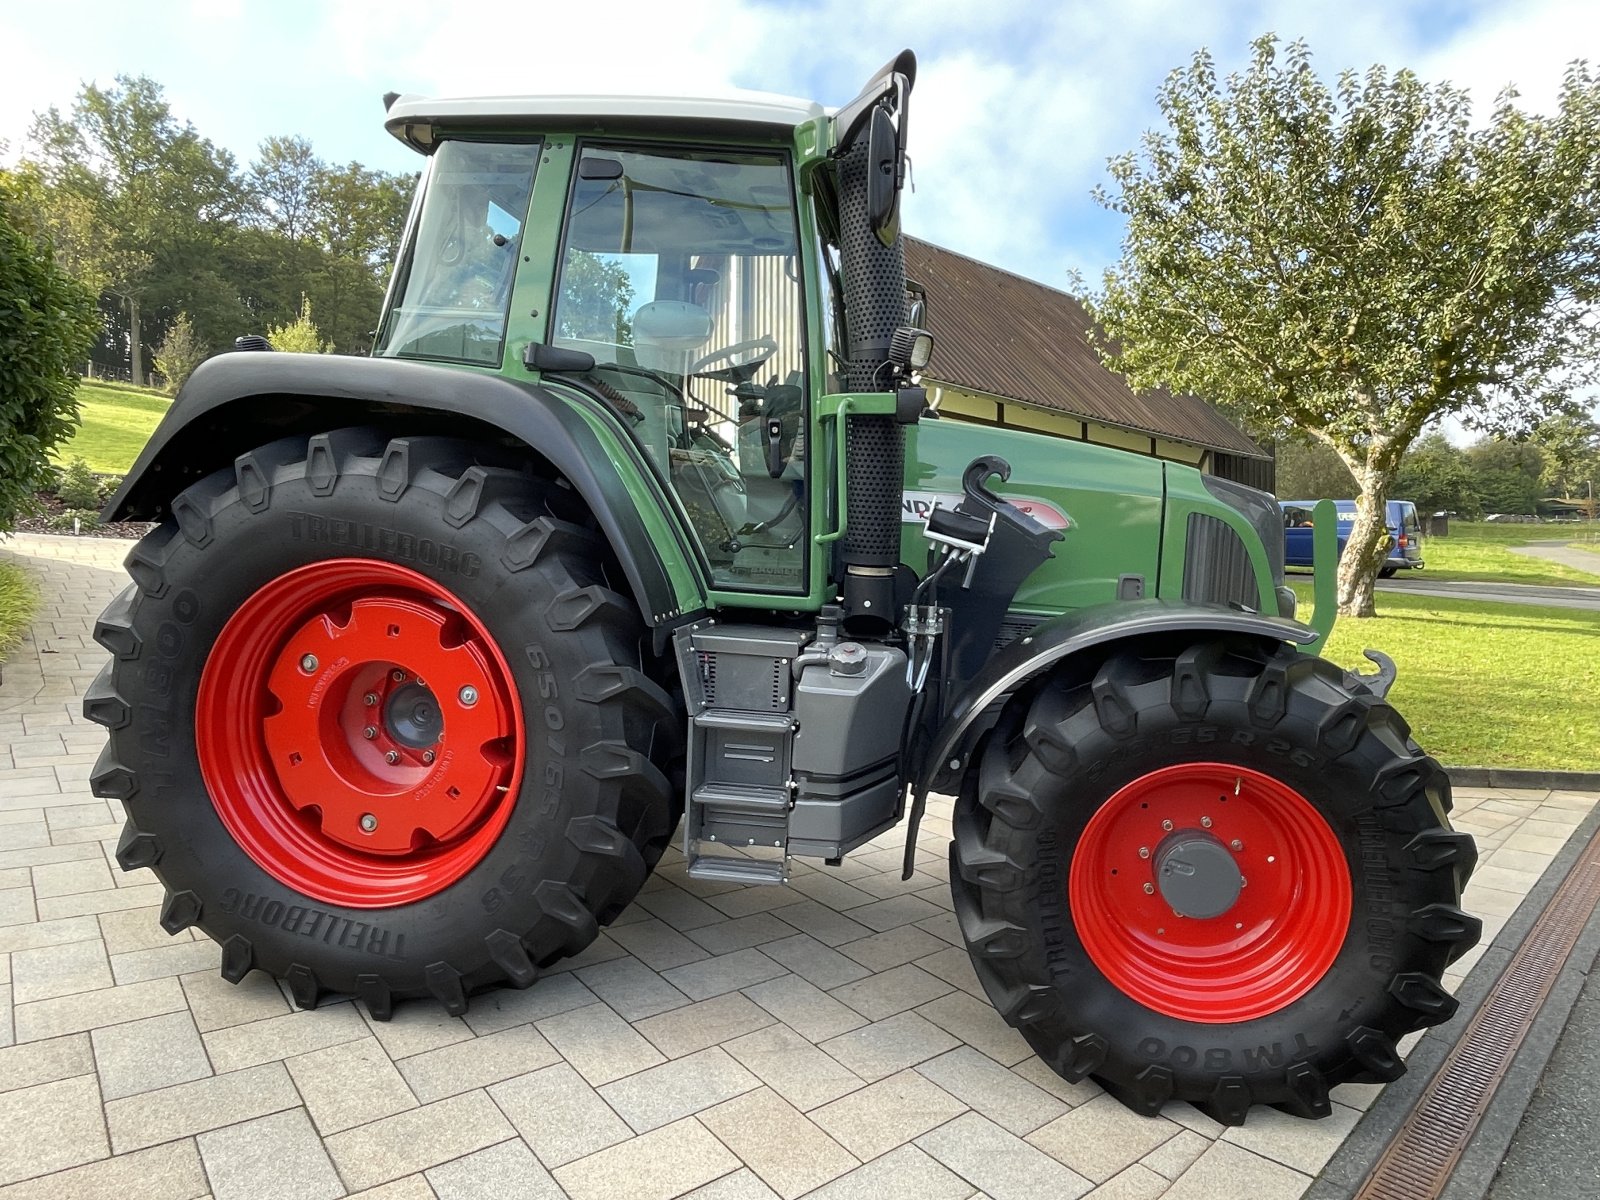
719, 868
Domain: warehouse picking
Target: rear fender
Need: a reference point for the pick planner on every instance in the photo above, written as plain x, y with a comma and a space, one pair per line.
236, 402
1088, 631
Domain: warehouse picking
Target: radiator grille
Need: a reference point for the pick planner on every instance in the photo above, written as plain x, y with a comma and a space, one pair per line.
1216, 565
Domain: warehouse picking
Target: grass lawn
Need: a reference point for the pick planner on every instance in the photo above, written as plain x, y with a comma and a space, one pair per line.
19, 600
1496, 685
117, 420
1481, 553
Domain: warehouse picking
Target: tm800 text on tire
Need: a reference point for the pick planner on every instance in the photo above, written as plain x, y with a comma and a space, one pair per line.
1219, 873
380, 724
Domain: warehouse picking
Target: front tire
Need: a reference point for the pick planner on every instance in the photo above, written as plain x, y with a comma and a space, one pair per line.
1219, 873
380, 724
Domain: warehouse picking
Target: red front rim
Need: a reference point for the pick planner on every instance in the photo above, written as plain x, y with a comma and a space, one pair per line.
359, 733
1271, 945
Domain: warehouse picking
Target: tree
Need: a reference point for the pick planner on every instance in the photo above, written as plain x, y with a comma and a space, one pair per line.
299, 336
180, 352
1311, 471
283, 186
1355, 262
1505, 475
1435, 477
46, 323
1570, 443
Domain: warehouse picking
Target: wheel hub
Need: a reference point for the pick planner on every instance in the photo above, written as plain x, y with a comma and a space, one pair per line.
1196, 874
413, 718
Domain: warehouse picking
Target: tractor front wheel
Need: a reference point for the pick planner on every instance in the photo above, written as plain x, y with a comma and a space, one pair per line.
380, 724
1220, 873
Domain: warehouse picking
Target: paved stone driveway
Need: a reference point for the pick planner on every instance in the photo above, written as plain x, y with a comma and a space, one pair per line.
827, 1039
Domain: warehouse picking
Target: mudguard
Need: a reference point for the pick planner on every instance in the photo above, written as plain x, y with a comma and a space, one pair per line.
236, 402
1051, 643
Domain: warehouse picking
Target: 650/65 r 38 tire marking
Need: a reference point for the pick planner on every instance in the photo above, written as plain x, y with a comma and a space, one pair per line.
359, 734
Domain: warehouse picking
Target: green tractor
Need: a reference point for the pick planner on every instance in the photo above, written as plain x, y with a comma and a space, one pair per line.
612, 539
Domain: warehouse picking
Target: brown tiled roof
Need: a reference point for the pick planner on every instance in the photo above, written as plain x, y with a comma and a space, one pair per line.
1007, 336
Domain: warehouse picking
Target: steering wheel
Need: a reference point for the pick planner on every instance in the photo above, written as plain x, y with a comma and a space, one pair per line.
763, 348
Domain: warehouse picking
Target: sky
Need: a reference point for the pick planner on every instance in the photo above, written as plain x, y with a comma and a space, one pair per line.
1017, 105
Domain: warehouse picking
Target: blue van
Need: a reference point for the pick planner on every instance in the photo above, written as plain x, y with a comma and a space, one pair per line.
1404, 528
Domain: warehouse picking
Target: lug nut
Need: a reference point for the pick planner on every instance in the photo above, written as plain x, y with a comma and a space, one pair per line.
468, 695
1144, 851
308, 664
1205, 822
392, 757
370, 699
1167, 825
1149, 889
427, 757
398, 676
370, 732
1236, 844
368, 822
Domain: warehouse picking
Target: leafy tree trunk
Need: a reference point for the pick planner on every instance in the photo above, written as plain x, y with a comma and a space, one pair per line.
1369, 542
135, 350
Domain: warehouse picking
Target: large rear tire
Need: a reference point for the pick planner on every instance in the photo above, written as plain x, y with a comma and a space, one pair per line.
380, 723
1219, 873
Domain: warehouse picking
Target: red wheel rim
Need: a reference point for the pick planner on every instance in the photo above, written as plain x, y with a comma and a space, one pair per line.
1274, 942
359, 733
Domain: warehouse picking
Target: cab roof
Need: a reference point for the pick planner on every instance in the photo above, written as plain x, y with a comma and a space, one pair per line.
416, 120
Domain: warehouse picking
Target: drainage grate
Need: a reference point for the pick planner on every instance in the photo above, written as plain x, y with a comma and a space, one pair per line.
1417, 1163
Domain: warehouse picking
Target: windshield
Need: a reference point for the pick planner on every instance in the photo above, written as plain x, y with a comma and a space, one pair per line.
681, 276
452, 287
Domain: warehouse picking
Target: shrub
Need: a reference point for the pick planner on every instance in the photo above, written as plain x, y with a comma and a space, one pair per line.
74, 520
180, 352
299, 336
78, 487
47, 320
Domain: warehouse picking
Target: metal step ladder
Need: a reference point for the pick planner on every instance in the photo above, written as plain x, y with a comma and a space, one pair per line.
734, 812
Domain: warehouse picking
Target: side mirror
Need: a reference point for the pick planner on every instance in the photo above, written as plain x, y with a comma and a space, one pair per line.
883, 184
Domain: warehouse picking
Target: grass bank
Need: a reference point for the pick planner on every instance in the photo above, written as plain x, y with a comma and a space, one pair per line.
1479, 552
116, 419
19, 601
1498, 685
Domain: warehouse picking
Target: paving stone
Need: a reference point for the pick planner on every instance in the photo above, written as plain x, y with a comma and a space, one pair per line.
677, 1088
506, 1008
954, 965
744, 901
658, 945
177, 959
807, 1010
51, 1126
1038, 1073
16, 906
1173, 1157
349, 1084
189, 1108
887, 1114
837, 894
476, 1063
898, 910
1100, 1138
416, 1140
216, 1003
790, 1154
655, 1166
632, 989
1004, 1167
602, 949
599, 1044
1227, 1172
141, 1056
45, 1062
407, 1187
821, 922
52, 971
884, 1047
725, 973
277, 1157
793, 1067
889, 992
84, 903
976, 1023
559, 1115
136, 929
234, 1047
812, 961
1007, 1099
1132, 1183
706, 1023
507, 1171
1303, 1145
727, 936
944, 927
170, 1172
678, 909
903, 1174
91, 1010
416, 1028
893, 947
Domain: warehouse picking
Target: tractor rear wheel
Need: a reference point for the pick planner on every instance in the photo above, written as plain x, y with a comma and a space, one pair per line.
380, 724
1219, 873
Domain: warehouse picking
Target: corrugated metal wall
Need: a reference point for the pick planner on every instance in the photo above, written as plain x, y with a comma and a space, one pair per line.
755, 297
